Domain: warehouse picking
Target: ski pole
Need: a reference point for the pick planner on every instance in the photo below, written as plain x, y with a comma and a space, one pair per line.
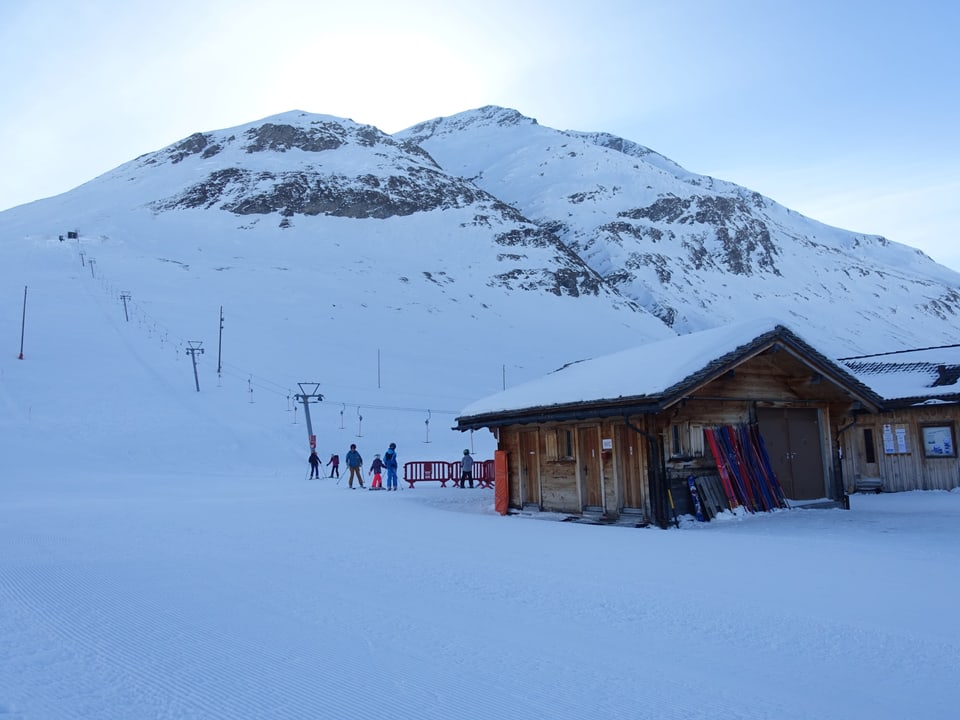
673, 509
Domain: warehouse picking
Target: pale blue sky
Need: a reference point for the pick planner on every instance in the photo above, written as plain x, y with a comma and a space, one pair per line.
844, 110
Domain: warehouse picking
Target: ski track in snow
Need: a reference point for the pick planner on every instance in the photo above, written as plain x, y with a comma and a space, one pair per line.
233, 598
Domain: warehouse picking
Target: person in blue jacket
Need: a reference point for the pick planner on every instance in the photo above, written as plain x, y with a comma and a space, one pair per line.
355, 465
390, 463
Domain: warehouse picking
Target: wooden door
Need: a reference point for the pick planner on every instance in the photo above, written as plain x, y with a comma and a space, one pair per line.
588, 459
793, 441
629, 465
529, 468
773, 428
806, 454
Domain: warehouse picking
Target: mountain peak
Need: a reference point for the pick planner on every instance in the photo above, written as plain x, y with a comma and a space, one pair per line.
486, 116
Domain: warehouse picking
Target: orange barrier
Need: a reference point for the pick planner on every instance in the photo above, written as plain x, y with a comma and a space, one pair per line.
501, 493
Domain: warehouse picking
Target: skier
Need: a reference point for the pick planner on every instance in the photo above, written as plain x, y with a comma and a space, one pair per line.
376, 467
390, 463
466, 470
335, 462
355, 465
314, 461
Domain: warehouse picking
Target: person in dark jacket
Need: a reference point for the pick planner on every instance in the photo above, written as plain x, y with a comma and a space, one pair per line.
466, 469
355, 466
390, 463
376, 467
314, 461
334, 462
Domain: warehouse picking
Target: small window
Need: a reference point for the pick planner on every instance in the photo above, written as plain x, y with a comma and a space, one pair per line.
676, 446
696, 439
550, 440
685, 440
559, 444
869, 448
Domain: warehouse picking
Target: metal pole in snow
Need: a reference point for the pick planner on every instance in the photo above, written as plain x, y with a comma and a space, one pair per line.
193, 349
23, 321
220, 345
305, 396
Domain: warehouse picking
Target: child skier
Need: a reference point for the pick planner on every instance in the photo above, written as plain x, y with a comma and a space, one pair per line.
376, 467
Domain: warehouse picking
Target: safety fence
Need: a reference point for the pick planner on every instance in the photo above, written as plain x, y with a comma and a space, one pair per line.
443, 472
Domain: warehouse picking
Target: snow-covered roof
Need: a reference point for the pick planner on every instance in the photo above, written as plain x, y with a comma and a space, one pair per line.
914, 375
648, 371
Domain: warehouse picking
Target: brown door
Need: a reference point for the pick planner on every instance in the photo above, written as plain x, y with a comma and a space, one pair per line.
629, 467
588, 457
529, 469
792, 438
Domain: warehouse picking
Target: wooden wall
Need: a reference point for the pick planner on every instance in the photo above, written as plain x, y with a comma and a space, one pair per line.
772, 379
900, 471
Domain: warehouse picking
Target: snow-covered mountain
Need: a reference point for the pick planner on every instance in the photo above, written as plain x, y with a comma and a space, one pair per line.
405, 276
695, 251
341, 256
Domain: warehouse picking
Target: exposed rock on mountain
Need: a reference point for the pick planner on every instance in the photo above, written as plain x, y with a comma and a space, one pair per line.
695, 251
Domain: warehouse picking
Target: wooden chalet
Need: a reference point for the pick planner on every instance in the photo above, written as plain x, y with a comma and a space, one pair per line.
615, 438
912, 443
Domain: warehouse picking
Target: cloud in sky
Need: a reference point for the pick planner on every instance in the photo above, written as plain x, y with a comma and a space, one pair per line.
842, 111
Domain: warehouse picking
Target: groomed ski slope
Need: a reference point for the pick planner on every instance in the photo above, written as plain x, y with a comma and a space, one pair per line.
267, 596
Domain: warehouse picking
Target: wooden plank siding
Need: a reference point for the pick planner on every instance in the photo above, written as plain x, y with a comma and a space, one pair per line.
900, 471
561, 476
773, 379
618, 455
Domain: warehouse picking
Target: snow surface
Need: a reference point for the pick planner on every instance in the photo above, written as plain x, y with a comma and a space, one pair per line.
203, 595
163, 556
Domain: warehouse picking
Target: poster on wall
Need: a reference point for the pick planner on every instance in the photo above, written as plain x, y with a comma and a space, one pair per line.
895, 440
938, 441
901, 433
888, 439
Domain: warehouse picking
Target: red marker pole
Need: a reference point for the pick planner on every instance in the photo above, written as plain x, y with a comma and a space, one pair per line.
23, 321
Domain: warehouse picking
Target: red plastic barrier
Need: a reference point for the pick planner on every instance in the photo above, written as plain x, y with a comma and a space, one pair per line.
444, 472
484, 473
426, 471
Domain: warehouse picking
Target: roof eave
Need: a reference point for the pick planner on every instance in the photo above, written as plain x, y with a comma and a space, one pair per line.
780, 337
587, 410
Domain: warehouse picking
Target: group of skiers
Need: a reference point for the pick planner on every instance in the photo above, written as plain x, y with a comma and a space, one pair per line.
388, 462
355, 465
